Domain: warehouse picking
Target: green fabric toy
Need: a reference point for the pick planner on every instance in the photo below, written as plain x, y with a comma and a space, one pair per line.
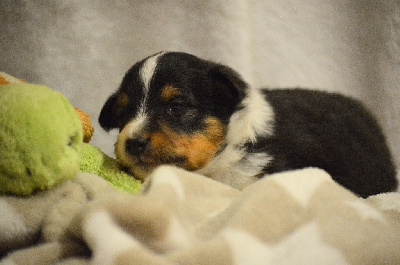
41, 142
96, 162
40, 139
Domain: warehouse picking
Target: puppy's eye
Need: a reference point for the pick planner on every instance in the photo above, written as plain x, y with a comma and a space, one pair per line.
176, 109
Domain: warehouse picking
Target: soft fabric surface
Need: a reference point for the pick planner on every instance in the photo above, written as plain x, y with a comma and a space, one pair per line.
298, 217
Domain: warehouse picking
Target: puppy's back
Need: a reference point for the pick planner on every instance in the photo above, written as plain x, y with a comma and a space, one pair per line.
332, 132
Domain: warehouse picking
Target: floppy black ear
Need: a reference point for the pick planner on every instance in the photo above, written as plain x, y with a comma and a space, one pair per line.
108, 118
228, 86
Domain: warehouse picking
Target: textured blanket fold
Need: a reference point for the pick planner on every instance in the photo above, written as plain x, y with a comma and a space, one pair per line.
297, 217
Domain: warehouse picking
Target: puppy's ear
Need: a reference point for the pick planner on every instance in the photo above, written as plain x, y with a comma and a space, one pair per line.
110, 113
228, 86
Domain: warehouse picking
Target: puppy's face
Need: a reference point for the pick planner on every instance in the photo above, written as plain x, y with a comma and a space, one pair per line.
172, 108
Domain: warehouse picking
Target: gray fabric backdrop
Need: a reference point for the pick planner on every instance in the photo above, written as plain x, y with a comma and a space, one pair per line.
83, 48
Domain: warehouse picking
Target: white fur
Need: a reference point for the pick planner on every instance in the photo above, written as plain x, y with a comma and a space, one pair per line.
128, 132
235, 167
254, 120
146, 73
148, 69
137, 124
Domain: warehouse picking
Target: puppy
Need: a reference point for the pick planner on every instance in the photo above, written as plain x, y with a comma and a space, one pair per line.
175, 108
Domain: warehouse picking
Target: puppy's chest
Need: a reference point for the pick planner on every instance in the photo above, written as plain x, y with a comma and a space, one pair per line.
236, 167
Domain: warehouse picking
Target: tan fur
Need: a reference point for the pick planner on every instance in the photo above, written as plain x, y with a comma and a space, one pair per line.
196, 150
122, 100
169, 92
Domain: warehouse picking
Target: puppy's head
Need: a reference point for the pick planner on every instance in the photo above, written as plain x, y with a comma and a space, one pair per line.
172, 108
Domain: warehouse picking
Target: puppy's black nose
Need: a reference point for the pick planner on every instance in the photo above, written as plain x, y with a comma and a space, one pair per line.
136, 146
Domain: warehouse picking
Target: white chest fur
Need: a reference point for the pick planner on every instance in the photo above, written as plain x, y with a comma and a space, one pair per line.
234, 165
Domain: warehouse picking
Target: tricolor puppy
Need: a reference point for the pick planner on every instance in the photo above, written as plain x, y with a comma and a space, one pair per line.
175, 108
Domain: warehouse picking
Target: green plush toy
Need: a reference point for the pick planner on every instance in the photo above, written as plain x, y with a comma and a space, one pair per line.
41, 142
96, 162
40, 139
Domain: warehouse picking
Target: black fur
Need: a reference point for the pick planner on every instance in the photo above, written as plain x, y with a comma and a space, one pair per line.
311, 128
329, 131
209, 88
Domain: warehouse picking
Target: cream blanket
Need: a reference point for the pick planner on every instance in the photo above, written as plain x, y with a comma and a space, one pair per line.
297, 217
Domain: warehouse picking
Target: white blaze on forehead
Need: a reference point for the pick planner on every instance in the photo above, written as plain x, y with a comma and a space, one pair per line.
148, 69
146, 74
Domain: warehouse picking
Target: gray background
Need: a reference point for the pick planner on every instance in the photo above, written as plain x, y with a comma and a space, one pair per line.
83, 48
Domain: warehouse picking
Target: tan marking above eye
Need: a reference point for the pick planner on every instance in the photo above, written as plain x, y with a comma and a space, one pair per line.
122, 100
169, 92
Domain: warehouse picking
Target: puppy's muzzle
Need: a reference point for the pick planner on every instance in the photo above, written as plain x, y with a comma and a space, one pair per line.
137, 146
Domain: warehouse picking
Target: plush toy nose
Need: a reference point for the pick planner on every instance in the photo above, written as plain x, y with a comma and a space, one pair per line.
136, 146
